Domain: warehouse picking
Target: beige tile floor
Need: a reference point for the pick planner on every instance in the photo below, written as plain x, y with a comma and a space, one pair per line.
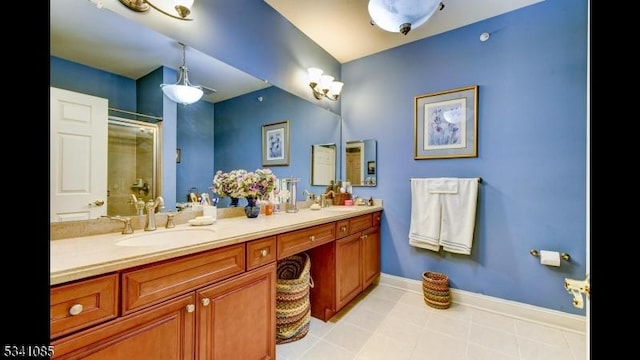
387, 323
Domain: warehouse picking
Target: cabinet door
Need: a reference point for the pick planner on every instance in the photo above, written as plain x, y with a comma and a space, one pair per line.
165, 331
370, 256
237, 317
348, 269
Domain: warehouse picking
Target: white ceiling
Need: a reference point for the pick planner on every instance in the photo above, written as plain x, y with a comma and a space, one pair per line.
343, 27
103, 39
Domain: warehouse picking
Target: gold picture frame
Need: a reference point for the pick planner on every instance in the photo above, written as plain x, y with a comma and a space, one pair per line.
275, 144
446, 124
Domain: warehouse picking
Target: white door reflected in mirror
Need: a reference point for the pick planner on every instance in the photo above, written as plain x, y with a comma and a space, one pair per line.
360, 162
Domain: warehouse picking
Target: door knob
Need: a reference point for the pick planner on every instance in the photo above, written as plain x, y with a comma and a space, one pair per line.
97, 203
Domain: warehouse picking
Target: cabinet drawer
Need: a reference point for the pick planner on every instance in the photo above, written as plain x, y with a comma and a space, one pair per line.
353, 225
260, 252
155, 283
83, 303
295, 242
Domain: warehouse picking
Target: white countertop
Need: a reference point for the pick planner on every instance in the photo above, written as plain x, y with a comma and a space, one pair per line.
81, 257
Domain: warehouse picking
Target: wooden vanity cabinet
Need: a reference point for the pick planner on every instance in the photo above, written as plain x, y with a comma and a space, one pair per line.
164, 331
343, 269
236, 318
201, 306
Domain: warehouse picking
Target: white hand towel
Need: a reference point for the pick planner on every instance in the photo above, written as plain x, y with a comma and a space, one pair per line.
459, 217
424, 231
442, 186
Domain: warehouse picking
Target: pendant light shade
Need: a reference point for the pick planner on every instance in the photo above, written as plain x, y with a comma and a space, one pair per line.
401, 15
182, 92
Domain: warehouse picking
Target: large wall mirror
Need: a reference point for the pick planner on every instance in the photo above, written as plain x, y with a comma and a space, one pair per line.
97, 25
360, 162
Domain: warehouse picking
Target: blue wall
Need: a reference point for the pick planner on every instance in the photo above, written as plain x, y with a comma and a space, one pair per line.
238, 133
196, 142
532, 106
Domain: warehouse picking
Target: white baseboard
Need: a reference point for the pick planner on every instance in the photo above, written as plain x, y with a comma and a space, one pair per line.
559, 319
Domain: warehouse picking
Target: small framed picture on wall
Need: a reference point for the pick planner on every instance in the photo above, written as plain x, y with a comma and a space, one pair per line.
275, 144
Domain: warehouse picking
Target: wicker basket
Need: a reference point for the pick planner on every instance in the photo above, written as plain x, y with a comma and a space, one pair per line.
293, 311
436, 290
339, 198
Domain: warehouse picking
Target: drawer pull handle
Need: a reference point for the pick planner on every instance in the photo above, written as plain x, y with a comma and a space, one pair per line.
364, 236
312, 238
75, 309
263, 252
343, 228
191, 308
205, 301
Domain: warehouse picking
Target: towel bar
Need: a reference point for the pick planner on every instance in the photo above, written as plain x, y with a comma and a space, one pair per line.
479, 180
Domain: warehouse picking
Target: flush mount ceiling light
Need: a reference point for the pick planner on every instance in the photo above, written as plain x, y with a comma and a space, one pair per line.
402, 15
182, 92
183, 7
324, 85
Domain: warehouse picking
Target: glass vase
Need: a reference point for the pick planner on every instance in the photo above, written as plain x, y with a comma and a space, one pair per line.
252, 209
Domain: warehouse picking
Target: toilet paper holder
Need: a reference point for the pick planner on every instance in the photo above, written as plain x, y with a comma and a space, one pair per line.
563, 255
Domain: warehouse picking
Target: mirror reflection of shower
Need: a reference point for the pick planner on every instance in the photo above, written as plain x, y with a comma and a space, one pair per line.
132, 165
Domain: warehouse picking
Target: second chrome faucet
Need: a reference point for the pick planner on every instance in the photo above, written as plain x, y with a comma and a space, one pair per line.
151, 207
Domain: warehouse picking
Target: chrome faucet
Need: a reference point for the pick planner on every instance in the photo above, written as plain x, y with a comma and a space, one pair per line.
128, 229
151, 206
310, 196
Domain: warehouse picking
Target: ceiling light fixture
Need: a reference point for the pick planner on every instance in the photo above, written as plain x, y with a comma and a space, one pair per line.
324, 85
183, 7
183, 92
402, 15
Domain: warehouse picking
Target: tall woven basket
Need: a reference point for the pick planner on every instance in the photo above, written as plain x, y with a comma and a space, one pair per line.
293, 311
436, 290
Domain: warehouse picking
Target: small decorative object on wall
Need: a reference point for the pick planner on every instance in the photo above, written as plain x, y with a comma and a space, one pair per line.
275, 144
446, 124
371, 168
178, 155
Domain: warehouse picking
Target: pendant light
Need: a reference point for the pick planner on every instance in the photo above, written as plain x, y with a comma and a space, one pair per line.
402, 15
182, 92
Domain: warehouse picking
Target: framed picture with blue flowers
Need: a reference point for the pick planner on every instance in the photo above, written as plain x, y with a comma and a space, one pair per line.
275, 144
446, 124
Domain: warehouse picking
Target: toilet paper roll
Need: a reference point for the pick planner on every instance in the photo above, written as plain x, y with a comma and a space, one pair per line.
551, 258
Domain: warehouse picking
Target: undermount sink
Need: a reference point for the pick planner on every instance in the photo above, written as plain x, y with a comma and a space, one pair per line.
186, 236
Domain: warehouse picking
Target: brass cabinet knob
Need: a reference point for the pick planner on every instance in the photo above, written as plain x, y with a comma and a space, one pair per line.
191, 308
263, 252
205, 301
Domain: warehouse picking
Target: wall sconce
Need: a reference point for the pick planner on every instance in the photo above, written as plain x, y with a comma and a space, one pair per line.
402, 15
324, 85
183, 92
183, 7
